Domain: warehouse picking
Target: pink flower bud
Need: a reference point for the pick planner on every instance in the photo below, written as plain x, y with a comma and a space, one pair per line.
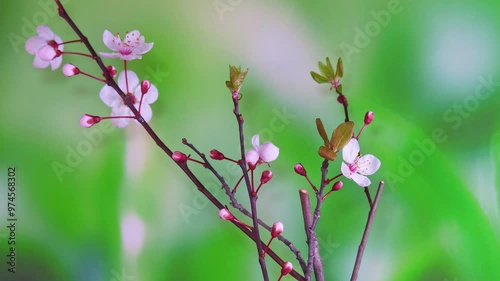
226, 215
299, 169
179, 157
70, 70
287, 268
145, 85
277, 229
47, 53
216, 155
266, 176
337, 186
88, 121
342, 99
112, 71
369, 117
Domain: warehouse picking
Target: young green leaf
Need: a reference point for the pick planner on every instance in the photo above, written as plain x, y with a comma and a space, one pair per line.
322, 132
327, 153
340, 68
318, 78
236, 77
341, 136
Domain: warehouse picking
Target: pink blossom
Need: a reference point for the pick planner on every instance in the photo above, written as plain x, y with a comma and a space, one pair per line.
131, 48
46, 47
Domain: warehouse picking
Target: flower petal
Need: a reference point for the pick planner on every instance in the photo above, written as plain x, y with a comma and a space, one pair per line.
368, 164
143, 48
120, 111
268, 152
46, 53
110, 55
252, 157
39, 63
34, 44
110, 97
45, 32
361, 180
58, 40
350, 151
111, 41
132, 79
256, 141
146, 111
56, 62
132, 38
345, 170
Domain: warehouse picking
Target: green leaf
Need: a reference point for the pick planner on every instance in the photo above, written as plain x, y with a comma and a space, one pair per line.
341, 136
321, 131
330, 68
340, 68
327, 153
318, 78
236, 77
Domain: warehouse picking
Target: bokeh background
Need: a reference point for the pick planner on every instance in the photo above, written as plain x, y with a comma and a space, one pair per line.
105, 204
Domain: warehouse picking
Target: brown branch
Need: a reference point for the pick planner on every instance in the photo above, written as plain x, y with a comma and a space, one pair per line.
366, 233
307, 215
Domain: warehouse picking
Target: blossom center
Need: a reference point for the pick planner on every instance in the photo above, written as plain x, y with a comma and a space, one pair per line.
353, 167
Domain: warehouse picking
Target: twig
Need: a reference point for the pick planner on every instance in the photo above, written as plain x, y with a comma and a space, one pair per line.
307, 215
110, 82
371, 216
253, 199
234, 202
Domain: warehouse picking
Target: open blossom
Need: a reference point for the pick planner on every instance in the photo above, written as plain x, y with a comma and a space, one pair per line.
131, 48
133, 90
266, 152
45, 46
357, 167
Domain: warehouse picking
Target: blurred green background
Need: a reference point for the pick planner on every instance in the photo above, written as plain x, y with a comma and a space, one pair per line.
120, 210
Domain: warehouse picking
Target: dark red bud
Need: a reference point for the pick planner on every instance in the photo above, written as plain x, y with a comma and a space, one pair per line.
216, 155
299, 169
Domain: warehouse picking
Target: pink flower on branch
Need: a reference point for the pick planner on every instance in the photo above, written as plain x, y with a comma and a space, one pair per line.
130, 85
358, 167
131, 48
266, 152
46, 47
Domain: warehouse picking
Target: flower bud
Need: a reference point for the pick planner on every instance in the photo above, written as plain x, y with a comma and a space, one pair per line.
112, 71
216, 155
70, 70
277, 229
266, 176
337, 186
145, 85
88, 121
287, 268
299, 169
342, 99
369, 117
226, 215
179, 157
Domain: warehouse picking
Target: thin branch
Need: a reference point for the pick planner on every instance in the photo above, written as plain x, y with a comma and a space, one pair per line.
234, 202
253, 199
313, 240
307, 215
110, 82
366, 233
